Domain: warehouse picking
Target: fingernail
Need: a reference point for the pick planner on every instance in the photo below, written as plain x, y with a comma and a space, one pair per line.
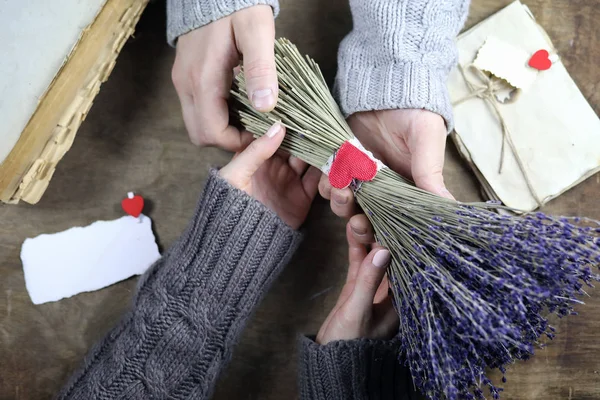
274, 129
340, 199
382, 258
360, 231
263, 98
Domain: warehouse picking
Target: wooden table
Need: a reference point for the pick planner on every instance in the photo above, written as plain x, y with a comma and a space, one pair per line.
134, 139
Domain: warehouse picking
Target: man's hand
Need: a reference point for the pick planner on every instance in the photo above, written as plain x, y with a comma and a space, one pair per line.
203, 72
411, 142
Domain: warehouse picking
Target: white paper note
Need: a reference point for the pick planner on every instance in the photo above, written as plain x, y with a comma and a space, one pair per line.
85, 259
506, 62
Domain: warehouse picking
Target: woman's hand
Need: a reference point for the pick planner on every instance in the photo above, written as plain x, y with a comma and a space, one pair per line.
285, 184
411, 142
203, 72
364, 308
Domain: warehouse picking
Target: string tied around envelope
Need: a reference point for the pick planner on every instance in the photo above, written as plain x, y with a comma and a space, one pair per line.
486, 88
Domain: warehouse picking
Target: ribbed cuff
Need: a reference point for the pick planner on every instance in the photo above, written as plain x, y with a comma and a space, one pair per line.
236, 244
353, 369
184, 16
363, 87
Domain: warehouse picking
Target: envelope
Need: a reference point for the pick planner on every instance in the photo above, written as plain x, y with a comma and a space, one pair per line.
555, 132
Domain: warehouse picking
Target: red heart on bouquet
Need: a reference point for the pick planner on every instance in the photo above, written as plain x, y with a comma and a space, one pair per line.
351, 163
540, 60
133, 205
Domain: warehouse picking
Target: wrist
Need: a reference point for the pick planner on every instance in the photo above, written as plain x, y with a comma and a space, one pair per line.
184, 16
396, 85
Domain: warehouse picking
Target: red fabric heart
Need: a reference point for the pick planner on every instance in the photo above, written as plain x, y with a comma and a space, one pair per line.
349, 162
540, 60
133, 206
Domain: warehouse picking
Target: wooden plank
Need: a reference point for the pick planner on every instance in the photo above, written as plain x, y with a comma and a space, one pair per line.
135, 139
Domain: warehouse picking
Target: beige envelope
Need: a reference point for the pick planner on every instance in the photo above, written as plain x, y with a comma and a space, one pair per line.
554, 130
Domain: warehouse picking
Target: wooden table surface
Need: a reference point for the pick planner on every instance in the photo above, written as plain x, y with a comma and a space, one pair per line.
134, 139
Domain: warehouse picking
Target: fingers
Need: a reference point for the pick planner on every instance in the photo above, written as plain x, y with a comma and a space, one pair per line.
246, 139
357, 252
342, 200
211, 91
356, 313
325, 187
297, 165
369, 277
202, 75
310, 181
427, 148
254, 29
382, 291
361, 228
310, 175
214, 131
189, 117
387, 320
240, 170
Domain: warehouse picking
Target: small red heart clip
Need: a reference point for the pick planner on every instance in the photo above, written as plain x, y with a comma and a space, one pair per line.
351, 163
133, 205
540, 60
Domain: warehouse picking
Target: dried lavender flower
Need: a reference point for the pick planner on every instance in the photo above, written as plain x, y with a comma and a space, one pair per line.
472, 293
471, 287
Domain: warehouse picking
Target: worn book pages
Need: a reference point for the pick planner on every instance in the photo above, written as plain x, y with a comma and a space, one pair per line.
554, 130
43, 106
37, 36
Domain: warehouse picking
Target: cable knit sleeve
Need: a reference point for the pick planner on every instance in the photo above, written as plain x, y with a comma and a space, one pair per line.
399, 54
192, 305
186, 15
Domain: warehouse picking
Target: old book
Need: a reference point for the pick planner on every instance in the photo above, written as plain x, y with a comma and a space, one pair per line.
54, 57
540, 142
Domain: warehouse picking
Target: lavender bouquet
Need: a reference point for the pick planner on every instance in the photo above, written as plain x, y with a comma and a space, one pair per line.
472, 287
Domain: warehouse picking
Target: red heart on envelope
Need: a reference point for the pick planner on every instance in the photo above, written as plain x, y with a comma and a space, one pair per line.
133, 206
351, 163
540, 60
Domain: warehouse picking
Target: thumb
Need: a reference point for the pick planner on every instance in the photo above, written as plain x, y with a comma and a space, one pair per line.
427, 151
369, 277
255, 34
433, 182
241, 168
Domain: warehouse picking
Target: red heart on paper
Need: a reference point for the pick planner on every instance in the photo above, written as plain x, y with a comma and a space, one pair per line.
133, 206
540, 60
351, 163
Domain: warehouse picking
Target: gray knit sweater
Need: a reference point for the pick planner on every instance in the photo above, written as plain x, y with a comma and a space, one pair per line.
398, 54
191, 307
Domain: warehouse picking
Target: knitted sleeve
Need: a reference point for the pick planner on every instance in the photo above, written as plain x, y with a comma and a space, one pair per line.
192, 305
361, 369
186, 15
399, 54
